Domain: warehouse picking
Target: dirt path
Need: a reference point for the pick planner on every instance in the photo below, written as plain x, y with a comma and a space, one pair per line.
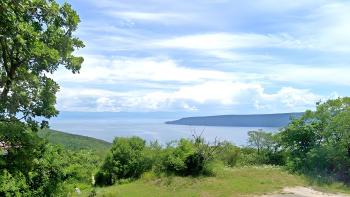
303, 192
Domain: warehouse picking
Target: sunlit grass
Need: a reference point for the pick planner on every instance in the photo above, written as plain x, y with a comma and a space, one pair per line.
227, 182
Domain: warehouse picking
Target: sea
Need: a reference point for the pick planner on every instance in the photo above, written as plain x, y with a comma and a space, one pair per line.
150, 128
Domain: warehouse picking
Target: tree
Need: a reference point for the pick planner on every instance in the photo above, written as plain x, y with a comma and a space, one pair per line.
267, 148
260, 140
36, 37
319, 142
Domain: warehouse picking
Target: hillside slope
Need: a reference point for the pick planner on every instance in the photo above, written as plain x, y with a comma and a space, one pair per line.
74, 142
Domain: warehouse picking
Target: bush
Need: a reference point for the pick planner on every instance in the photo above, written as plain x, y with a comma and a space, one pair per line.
126, 159
188, 157
275, 158
81, 165
30, 165
229, 155
48, 175
266, 147
175, 155
249, 156
129, 158
13, 185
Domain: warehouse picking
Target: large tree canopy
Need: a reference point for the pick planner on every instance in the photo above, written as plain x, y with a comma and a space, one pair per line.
36, 37
319, 142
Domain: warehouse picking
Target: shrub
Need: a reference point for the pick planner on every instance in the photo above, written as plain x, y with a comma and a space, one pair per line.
188, 157
80, 165
126, 159
175, 156
229, 155
263, 148
48, 175
30, 165
248, 156
13, 185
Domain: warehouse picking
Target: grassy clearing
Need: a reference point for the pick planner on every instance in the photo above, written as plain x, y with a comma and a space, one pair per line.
227, 182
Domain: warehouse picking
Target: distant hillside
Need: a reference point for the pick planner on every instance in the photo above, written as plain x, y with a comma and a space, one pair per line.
255, 120
75, 142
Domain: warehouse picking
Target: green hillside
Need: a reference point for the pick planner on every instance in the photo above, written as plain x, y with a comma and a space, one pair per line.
75, 142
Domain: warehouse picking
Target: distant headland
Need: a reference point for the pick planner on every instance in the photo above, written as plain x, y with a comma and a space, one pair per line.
251, 120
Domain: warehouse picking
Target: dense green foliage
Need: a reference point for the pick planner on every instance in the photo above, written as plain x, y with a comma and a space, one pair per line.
75, 142
229, 154
36, 37
127, 159
316, 144
267, 147
130, 157
188, 157
319, 142
36, 168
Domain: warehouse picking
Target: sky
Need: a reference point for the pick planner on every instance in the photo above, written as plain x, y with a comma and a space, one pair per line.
208, 56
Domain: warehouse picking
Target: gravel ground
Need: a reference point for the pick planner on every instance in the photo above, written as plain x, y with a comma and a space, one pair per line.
303, 192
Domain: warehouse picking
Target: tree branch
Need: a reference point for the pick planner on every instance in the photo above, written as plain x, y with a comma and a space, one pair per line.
10, 70
4, 57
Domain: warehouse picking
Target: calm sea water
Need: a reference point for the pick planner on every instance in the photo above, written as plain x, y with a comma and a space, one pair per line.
150, 129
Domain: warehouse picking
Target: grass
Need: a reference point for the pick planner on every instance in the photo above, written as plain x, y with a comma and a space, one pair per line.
227, 182
75, 142
332, 186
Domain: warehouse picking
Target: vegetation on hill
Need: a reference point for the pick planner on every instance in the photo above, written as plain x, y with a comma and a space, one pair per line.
75, 142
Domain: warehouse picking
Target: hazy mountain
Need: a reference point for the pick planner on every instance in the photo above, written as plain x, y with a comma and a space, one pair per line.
254, 120
112, 115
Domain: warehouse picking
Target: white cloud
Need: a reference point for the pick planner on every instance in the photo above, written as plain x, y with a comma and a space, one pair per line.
225, 41
150, 16
331, 28
236, 56
314, 24
180, 38
332, 75
235, 93
291, 97
190, 98
190, 89
286, 5
223, 92
112, 70
226, 46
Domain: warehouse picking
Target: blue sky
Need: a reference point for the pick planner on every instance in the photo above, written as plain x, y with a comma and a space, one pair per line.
208, 56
